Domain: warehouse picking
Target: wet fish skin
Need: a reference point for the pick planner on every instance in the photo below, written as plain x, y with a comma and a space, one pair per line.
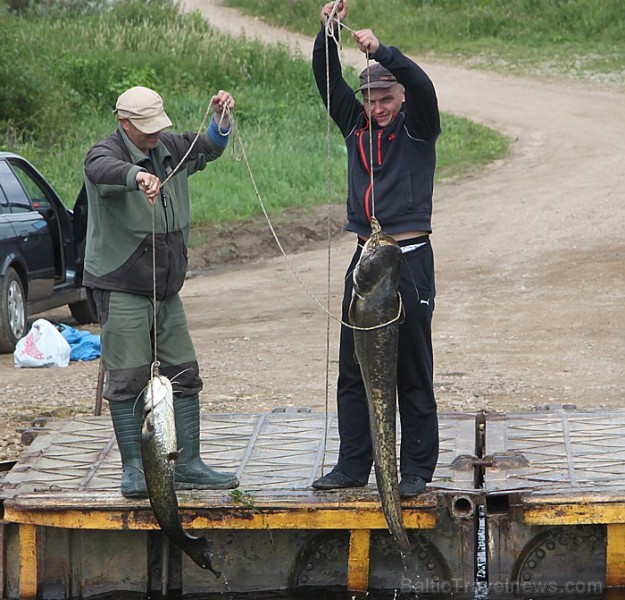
375, 301
159, 452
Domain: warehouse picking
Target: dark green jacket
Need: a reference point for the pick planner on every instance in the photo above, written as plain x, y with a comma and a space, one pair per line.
118, 253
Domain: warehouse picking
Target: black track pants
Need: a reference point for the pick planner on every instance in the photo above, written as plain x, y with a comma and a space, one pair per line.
417, 405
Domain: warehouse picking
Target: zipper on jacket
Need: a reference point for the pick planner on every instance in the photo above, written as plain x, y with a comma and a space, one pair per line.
363, 157
164, 203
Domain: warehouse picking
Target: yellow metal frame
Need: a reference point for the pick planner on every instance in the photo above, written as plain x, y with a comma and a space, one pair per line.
28, 561
586, 510
357, 517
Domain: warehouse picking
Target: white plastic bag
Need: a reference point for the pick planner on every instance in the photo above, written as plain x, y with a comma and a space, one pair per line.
42, 346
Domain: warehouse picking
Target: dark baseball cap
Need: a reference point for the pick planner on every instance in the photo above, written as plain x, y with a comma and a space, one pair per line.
376, 76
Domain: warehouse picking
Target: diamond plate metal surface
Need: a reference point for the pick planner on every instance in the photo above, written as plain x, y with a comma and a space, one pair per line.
456, 433
567, 451
269, 452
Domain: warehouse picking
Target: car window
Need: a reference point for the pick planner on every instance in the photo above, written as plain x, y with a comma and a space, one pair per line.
18, 200
36, 194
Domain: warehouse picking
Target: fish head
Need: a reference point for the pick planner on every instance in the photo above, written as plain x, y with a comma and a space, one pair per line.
158, 390
380, 260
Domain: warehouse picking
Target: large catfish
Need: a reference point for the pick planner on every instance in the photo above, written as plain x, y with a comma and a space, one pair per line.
159, 452
375, 313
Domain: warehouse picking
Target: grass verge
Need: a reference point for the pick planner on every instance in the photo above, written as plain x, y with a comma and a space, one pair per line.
57, 99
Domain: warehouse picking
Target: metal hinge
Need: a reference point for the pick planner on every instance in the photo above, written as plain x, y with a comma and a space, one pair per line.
30, 433
503, 460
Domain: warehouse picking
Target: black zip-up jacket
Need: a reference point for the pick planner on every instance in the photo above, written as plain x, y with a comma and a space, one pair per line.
404, 154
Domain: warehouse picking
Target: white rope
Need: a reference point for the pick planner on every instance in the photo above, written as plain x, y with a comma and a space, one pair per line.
154, 369
197, 135
234, 129
333, 29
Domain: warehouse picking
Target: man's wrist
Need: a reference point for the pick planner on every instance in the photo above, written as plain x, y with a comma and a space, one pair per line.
218, 135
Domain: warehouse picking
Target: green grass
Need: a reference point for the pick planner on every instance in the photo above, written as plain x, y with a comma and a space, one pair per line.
576, 37
424, 24
56, 100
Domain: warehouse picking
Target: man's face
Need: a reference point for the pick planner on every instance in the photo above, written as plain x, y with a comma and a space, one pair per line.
144, 141
383, 104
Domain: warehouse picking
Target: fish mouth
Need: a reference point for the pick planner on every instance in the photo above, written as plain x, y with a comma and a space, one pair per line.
380, 258
378, 239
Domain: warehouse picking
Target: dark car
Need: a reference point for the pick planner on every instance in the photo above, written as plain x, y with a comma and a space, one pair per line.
40, 257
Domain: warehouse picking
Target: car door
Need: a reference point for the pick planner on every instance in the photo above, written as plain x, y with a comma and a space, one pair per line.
7, 234
33, 239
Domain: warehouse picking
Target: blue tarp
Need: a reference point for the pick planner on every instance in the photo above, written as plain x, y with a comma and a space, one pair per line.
83, 344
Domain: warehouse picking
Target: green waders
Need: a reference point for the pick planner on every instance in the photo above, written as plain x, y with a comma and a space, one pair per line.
127, 418
126, 323
191, 471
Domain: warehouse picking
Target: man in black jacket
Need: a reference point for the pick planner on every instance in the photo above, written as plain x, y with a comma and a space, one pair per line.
390, 138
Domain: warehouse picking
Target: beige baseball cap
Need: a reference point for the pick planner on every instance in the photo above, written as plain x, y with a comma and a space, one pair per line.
143, 107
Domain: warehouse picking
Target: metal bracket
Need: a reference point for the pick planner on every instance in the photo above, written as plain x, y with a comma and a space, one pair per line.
503, 460
30, 433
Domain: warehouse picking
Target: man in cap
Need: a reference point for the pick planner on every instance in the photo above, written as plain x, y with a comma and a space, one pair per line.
136, 180
399, 111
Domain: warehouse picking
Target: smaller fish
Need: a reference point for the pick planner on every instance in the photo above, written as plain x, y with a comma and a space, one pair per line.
159, 452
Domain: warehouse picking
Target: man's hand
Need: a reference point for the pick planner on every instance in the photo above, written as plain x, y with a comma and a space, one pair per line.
366, 40
149, 184
341, 11
219, 103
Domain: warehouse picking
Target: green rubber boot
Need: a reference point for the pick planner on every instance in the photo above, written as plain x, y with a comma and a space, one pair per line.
127, 419
192, 473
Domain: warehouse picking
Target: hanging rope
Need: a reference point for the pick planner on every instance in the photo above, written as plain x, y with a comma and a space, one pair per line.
329, 253
375, 226
155, 363
201, 128
154, 369
333, 29
329, 34
234, 131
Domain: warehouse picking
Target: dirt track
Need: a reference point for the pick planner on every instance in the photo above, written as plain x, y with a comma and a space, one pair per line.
530, 271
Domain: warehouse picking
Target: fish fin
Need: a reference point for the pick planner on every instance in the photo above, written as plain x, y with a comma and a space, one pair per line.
173, 455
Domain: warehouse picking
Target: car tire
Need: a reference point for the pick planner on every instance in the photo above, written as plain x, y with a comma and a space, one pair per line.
13, 312
83, 312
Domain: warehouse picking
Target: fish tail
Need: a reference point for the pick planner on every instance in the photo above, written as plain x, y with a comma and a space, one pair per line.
391, 502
